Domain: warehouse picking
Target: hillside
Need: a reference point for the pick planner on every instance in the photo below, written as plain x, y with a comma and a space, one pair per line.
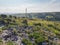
28, 31
53, 16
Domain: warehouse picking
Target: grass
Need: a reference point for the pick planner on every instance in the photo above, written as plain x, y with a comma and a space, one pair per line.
10, 43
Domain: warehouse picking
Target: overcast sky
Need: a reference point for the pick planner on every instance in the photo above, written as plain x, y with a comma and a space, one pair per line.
18, 6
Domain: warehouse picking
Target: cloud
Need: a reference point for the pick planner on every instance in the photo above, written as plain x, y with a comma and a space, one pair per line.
51, 6
53, 1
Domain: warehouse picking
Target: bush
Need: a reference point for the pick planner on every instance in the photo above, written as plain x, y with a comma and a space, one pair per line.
26, 42
10, 43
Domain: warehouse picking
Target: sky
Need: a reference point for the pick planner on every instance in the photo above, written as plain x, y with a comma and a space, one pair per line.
19, 6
